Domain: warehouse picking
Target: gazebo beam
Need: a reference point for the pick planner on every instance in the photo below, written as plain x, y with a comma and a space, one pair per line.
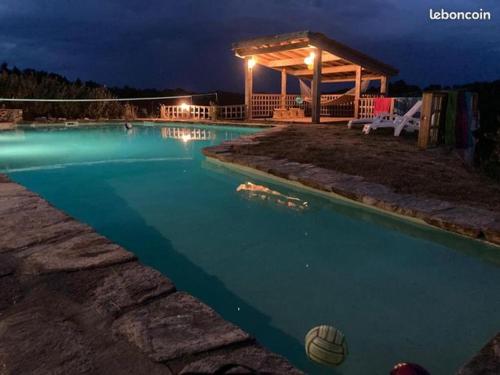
326, 70
243, 52
351, 79
297, 61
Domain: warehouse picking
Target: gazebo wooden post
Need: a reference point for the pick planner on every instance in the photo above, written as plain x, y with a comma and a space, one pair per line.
383, 85
248, 88
357, 91
283, 88
316, 88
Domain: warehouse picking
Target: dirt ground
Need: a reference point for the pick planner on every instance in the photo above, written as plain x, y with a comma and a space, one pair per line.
382, 158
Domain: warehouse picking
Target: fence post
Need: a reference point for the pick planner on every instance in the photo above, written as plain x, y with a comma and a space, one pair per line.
214, 109
425, 120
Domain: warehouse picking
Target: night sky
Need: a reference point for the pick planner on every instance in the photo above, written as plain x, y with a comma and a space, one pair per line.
187, 43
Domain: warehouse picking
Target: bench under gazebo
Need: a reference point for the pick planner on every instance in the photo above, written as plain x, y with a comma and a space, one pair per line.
311, 57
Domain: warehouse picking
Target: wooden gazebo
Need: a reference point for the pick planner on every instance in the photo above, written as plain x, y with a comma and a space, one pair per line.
313, 56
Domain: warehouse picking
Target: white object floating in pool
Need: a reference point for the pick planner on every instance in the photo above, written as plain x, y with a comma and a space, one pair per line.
307, 265
326, 345
238, 308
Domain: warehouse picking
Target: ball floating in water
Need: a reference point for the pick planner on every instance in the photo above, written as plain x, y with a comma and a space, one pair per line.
326, 345
406, 368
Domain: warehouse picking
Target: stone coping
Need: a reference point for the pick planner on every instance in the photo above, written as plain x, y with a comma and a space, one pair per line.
486, 362
465, 220
72, 302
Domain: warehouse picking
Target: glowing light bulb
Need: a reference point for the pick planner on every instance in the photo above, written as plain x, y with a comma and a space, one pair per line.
309, 60
184, 106
251, 63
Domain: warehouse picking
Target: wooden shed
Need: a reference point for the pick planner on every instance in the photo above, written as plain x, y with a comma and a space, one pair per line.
310, 56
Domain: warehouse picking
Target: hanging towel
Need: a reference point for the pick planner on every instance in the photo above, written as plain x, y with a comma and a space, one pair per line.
451, 115
381, 105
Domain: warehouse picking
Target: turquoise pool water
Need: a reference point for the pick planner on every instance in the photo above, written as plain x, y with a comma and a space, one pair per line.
275, 266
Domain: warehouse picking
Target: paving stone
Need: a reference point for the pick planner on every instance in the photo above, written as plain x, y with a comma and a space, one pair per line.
11, 292
464, 220
13, 204
112, 290
4, 179
8, 264
381, 197
175, 326
270, 165
290, 170
252, 359
492, 232
486, 362
420, 207
48, 334
10, 189
35, 343
35, 223
81, 251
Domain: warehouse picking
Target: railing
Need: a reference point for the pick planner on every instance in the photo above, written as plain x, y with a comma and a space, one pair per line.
231, 112
263, 105
366, 106
195, 112
203, 112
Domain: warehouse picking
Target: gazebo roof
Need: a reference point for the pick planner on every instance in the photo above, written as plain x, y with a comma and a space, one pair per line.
289, 50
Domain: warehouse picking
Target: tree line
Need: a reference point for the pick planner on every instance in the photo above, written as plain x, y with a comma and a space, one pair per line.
30, 83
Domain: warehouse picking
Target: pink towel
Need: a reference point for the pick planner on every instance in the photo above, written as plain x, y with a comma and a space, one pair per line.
381, 105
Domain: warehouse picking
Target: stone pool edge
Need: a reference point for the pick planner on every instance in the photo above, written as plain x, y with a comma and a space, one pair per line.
72, 301
468, 221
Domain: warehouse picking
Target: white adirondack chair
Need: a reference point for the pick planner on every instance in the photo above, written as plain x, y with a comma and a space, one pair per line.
407, 122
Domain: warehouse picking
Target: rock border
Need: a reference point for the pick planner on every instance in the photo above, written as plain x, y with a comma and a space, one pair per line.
73, 302
464, 220
486, 362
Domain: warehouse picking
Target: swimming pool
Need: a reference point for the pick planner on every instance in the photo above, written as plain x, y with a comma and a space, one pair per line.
276, 265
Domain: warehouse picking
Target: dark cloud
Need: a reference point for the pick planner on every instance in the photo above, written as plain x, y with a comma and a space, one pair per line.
160, 43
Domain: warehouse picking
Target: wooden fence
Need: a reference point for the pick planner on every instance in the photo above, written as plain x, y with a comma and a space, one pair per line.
263, 105
231, 112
